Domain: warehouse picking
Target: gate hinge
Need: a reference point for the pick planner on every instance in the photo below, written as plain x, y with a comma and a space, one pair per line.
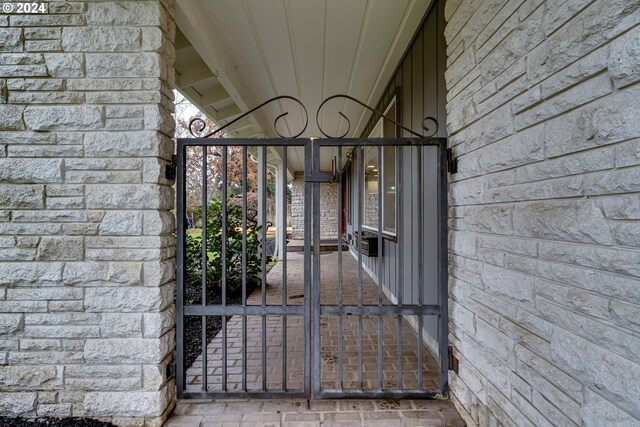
170, 169
171, 369
453, 361
452, 162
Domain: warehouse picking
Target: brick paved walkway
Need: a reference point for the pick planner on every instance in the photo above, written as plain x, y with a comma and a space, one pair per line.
315, 413
301, 412
329, 338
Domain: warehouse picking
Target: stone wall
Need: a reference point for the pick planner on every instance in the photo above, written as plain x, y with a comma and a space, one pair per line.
328, 209
543, 105
86, 232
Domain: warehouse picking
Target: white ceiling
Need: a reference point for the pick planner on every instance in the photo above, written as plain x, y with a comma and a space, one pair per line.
232, 55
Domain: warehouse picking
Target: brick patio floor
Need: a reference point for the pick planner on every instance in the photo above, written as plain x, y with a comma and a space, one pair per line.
325, 412
312, 413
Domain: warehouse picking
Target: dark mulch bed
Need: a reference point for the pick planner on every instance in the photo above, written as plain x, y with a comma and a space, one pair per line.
53, 422
193, 324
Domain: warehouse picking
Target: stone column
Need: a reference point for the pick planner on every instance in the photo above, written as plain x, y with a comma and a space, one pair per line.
297, 206
86, 230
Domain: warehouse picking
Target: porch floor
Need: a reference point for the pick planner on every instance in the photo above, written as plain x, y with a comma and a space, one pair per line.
329, 412
315, 413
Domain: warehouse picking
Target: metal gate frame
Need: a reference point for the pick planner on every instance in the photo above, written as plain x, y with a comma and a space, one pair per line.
312, 309
243, 310
315, 178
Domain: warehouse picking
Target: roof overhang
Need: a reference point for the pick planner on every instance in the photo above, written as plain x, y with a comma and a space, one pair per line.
234, 55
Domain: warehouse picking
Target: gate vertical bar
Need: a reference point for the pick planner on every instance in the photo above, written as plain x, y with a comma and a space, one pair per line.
340, 225
223, 253
420, 262
284, 265
380, 262
443, 294
399, 264
180, 276
307, 270
244, 266
316, 268
204, 265
263, 203
360, 153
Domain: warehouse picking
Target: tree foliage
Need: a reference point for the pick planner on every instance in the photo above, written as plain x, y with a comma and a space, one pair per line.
234, 252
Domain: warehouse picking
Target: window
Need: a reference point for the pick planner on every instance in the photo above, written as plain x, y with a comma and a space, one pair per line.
374, 179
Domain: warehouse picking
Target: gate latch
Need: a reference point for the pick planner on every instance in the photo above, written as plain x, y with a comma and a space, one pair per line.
321, 177
452, 162
325, 176
170, 169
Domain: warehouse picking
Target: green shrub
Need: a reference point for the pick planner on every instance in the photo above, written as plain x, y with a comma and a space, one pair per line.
193, 249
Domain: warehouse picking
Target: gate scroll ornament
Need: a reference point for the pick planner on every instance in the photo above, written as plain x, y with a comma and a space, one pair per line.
197, 125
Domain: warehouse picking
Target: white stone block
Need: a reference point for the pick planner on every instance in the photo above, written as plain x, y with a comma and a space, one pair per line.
133, 404
63, 117
10, 323
100, 39
61, 249
125, 299
123, 65
16, 404
102, 273
127, 350
11, 117
121, 223
65, 65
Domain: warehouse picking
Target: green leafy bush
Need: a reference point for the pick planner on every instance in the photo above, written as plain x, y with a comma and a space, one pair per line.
193, 249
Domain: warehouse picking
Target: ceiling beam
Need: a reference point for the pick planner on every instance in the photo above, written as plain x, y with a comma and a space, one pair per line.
240, 124
194, 74
248, 132
227, 113
181, 41
207, 40
184, 50
214, 96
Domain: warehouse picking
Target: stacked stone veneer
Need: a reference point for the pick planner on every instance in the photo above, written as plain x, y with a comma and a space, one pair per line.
543, 113
329, 216
86, 232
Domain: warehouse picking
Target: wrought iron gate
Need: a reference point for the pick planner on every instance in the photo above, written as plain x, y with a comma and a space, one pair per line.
376, 309
315, 366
